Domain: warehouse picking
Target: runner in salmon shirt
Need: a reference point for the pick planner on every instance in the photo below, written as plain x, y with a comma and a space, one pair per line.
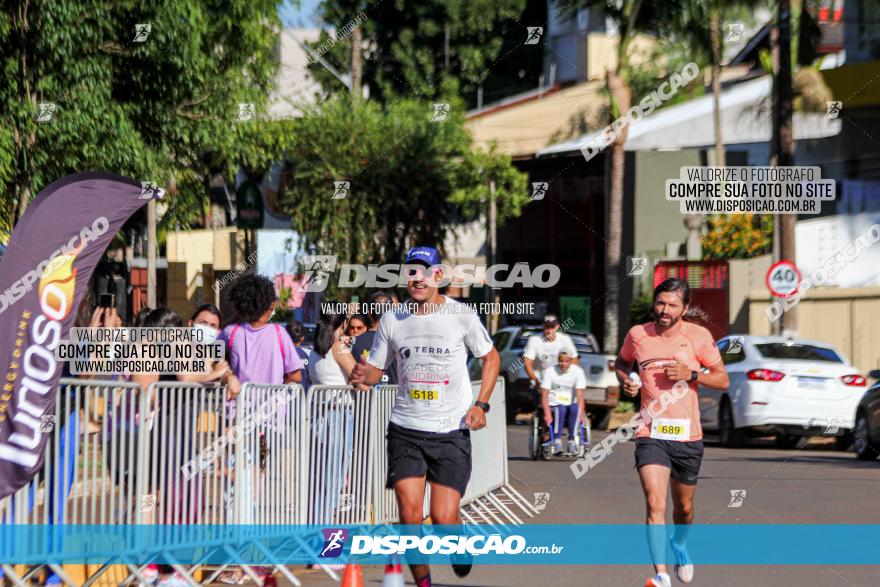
669, 354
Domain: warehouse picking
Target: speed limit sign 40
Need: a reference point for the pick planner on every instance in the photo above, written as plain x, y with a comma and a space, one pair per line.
783, 279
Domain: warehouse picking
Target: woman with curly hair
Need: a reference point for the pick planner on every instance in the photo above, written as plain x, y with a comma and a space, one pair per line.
257, 351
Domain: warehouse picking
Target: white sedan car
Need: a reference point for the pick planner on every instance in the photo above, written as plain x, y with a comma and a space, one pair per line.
785, 387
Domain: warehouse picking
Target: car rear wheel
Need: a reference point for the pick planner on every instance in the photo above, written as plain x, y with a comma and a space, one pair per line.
844, 441
728, 435
787, 441
599, 418
865, 451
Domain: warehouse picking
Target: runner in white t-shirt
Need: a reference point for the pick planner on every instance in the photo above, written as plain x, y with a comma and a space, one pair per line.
434, 412
562, 399
541, 351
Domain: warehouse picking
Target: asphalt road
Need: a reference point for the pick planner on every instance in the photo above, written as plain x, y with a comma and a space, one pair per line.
812, 484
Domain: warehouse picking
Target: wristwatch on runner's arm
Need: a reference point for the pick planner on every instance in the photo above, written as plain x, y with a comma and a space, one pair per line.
483, 406
694, 375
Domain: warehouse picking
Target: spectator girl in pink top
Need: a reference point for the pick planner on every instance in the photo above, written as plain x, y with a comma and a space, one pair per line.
257, 351
263, 353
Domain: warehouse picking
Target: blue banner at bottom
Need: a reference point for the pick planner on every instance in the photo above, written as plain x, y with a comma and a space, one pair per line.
606, 544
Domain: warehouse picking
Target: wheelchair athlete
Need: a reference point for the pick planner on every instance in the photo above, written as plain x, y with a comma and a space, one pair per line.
562, 401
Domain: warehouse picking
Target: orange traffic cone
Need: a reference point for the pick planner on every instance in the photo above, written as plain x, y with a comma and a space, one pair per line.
353, 577
393, 574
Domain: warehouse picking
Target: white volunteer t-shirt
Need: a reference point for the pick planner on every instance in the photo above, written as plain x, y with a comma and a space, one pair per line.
325, 370
434, 391
545, 353
562, 387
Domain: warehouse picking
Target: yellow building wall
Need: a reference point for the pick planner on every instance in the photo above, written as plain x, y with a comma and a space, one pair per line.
848, 318
602, 53
193, 256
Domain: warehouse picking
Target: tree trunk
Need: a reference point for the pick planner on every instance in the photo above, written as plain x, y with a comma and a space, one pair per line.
715, 31
621, 96
356, 63
24, 198
25, 140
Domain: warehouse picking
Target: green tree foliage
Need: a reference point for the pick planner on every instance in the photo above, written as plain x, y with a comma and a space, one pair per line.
164, 109
518, 67
410, 179
406, 44
737, 236
640, 309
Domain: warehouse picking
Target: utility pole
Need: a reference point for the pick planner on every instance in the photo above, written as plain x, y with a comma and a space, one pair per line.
491, 318
715, 36
151, 253
783, 138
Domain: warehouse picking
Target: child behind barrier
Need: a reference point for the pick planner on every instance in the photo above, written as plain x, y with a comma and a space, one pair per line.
297, 332
258, 352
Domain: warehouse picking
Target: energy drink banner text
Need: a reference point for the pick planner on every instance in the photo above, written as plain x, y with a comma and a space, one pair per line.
44, 275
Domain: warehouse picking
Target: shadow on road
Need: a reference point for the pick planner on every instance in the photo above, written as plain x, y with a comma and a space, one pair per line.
797, 456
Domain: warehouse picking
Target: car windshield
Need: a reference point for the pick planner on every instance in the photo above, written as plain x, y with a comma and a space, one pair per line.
797, 352
581, 343
519, 343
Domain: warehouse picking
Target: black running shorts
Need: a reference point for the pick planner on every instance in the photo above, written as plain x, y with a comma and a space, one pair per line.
683, 459
445, 458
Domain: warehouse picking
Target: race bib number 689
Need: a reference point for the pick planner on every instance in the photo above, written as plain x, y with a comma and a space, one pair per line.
671, 429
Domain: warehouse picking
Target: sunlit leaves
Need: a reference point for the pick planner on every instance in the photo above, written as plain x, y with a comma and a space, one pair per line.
162, 110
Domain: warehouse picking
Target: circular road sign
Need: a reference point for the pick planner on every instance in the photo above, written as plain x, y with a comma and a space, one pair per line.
783, 278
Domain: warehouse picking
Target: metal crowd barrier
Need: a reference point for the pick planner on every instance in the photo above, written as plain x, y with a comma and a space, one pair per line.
185, 453
384, 502
340, 455
76, 482
489, 499
263, 467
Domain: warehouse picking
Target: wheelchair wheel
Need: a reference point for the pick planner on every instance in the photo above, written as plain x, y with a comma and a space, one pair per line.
535, 439
586, 438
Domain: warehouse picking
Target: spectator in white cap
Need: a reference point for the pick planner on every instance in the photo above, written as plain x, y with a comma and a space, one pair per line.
542, 352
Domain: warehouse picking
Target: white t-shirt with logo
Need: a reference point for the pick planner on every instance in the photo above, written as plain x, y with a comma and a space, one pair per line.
434, 391
562, 387
545, 352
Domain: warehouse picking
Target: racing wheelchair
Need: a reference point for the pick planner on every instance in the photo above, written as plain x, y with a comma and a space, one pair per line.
543, 442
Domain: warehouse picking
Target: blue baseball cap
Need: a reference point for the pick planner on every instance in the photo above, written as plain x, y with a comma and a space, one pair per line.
427, 255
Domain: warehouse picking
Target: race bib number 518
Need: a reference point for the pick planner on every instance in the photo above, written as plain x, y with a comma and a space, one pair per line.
430, 395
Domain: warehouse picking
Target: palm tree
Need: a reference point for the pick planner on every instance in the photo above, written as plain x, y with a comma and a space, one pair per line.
698, 23
627, 15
